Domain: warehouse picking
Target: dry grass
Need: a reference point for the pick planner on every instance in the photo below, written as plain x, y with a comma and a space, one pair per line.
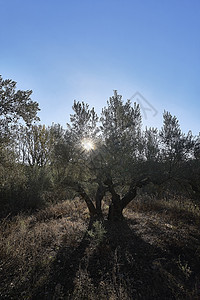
29, 245
154, 254
177, 210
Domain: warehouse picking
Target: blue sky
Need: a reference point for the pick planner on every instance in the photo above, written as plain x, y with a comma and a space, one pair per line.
65, 50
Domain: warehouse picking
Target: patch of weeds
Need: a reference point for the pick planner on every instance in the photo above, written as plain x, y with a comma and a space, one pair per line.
184, 267
97, 233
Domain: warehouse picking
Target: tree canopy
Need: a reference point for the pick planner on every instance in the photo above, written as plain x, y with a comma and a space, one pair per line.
15, 105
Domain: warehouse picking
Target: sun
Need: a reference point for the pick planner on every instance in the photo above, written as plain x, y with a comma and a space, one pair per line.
87, 144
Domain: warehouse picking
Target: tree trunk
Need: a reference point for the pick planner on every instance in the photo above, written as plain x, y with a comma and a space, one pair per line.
90, 205
115, 212
98, 198
95, 212
115, 208
117, 205
128, 197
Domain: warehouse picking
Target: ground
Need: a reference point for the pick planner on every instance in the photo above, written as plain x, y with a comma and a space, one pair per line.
53, 254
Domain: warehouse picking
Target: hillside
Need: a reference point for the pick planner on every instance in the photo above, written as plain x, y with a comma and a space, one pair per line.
153, 254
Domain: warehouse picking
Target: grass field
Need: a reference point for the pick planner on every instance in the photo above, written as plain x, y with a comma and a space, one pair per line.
153, 254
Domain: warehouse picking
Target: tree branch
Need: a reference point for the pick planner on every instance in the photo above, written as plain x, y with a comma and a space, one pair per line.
99, 196
77, 187
128, 197
133, 192
90, 205
115, 196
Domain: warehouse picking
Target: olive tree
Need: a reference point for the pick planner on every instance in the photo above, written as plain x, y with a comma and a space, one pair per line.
105, 153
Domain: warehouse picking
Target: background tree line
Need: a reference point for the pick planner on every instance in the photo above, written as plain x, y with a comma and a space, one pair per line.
41, 164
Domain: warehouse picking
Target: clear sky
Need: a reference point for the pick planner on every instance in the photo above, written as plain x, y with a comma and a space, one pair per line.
84, 49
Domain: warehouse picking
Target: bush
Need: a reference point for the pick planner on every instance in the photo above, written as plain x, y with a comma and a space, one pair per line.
23, 187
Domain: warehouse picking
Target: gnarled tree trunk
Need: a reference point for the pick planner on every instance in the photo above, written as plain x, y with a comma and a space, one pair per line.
117, 205
98, 199
95, 212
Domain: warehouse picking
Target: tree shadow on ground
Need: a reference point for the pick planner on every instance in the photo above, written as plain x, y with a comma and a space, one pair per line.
63, 270
133, 267
130, 263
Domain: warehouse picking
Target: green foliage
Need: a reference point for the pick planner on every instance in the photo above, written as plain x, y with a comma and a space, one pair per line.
97, 233
184, 267
83, 121
151, 144
15, 105
197, 147
38, 183
121, 132
116, 136
23, 188
12, 183
16, 108
175, 145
